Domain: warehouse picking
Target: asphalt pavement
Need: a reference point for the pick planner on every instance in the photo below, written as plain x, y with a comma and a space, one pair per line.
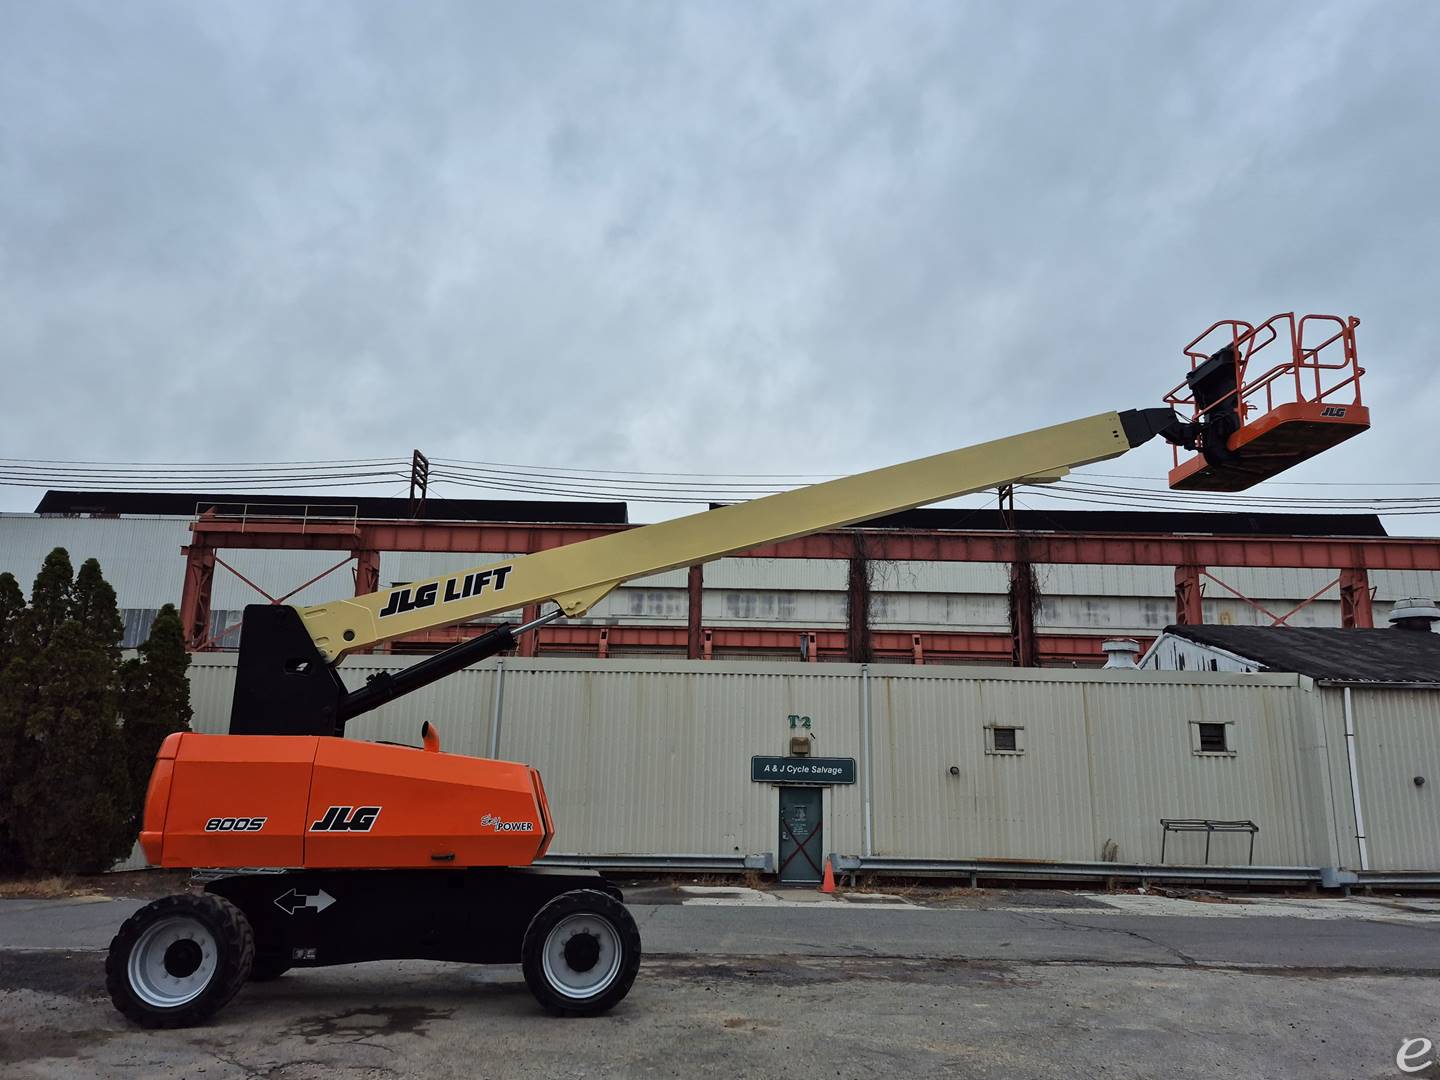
738, 983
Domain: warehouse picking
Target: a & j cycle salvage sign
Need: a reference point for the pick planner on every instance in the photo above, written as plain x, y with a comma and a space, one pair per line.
802, 770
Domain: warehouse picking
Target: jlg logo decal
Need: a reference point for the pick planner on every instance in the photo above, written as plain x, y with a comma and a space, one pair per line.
1336, 411
235, 824
347, 819
456, 588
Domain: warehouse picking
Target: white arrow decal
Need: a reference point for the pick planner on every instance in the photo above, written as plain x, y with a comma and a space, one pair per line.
293, 901
320, 902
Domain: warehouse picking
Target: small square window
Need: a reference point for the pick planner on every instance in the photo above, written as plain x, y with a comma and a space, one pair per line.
1212, 739
1004, 739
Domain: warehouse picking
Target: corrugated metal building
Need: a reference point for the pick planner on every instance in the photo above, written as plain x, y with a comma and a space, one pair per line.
141, 557
649, 758
956, 767
1377, 690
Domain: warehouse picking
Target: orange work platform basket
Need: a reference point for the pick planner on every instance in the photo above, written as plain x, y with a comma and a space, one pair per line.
1259, 412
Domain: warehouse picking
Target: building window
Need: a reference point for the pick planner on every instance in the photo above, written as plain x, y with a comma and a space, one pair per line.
1211, 738
1004, 739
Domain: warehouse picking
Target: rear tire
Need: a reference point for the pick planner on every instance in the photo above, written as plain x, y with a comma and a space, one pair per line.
581, 953
176, 961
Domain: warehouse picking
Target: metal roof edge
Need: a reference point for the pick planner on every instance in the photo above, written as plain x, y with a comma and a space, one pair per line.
953, 672
1213, 648
1376, 684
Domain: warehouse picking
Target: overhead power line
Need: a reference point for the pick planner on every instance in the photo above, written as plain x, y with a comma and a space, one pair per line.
1085, 488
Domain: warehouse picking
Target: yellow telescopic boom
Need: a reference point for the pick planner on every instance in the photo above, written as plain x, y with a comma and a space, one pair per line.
577, 576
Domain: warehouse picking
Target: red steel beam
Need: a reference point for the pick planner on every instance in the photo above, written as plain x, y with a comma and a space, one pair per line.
1356, 606
195, 594
933, 646
694, 601
1188, 608
367, 572
1306, 552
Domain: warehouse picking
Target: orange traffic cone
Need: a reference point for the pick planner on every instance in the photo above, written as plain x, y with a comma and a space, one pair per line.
828, 884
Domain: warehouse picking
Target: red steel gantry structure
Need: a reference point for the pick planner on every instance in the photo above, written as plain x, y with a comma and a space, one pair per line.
361, 542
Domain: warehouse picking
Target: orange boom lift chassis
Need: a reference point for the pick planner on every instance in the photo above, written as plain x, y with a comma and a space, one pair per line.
326, 850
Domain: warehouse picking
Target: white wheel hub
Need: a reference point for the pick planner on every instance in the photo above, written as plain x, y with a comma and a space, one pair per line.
173, 962
582, 956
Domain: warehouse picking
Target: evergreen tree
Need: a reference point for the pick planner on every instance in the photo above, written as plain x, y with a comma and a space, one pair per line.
156, 701
12, 610
94, 607
12, 607
64, 785
52, 599
69, 806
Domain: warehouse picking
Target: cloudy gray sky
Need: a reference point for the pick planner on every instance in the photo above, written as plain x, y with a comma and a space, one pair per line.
799, 238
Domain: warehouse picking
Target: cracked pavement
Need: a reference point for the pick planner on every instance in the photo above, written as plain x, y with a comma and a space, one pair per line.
1072, 984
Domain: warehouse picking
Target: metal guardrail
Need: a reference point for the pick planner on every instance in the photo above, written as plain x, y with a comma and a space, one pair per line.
1398, 878
244, 513
1094, 871
763, 862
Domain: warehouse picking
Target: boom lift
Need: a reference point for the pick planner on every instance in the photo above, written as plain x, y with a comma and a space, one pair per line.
342, 851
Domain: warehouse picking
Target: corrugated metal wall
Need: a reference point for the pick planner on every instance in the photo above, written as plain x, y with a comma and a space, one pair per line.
646, 757
1397, 736
1104, 759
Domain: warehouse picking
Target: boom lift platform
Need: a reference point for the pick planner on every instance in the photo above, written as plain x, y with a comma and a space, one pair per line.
1251, 420
333, 851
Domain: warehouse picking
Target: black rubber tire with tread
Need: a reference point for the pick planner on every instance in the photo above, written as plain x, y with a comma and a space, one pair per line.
578, 901
235, 944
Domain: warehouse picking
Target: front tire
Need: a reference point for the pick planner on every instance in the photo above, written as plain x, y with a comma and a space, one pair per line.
581, 953
176, 961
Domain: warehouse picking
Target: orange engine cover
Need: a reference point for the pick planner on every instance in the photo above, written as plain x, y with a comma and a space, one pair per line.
309, 801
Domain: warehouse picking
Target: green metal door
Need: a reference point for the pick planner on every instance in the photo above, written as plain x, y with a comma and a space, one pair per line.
802, 852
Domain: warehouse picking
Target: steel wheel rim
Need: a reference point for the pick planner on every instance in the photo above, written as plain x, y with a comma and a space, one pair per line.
155, 983
566, 979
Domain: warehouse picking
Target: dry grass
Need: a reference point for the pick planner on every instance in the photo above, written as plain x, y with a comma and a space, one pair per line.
750, 879
44, 888
918, 892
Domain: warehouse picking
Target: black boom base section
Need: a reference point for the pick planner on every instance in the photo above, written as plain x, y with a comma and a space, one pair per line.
285, 686
478, 915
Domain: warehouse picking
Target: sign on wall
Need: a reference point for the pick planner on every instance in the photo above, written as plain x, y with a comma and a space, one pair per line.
802, 770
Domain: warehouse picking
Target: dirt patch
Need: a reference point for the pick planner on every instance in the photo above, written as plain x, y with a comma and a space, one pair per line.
937, 894
797, 971
368, 1022
34, 1045
78, 975
45, 888
142, 884
1199, 896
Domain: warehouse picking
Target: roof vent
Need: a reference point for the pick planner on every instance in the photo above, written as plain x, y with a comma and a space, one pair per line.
1414, 613
1121, 652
